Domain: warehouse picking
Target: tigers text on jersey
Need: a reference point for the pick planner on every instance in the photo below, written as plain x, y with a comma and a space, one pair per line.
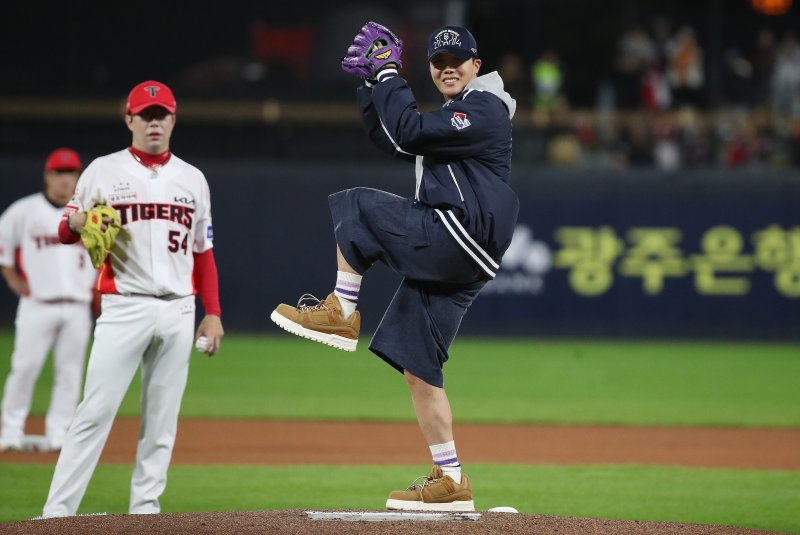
165, 213
53, 270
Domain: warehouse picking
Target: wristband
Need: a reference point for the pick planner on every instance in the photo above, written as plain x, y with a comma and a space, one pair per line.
386, 73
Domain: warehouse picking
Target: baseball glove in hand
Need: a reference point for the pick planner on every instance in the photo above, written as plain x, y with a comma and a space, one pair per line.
374, 48
97, 241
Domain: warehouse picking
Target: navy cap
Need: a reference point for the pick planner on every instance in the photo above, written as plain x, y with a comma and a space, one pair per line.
454, 40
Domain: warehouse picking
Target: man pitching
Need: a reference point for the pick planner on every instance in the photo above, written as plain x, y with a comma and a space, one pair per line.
162, 254
54, 285
447, 241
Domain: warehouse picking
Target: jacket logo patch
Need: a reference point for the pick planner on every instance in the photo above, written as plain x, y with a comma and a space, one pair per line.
460, 121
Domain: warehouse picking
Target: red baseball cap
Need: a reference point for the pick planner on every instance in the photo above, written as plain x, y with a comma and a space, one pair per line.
150, 93
63, 159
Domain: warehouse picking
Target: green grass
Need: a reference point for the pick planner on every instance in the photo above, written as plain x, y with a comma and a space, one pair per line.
494, 380
746, 498
488, 380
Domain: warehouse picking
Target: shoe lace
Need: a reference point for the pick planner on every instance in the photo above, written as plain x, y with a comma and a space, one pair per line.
316, 303
421, 482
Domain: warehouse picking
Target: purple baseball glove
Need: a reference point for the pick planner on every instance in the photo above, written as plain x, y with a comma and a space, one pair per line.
373, 49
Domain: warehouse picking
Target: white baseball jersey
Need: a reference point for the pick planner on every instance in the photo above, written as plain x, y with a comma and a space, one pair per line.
54, 271
165, 216
56, 315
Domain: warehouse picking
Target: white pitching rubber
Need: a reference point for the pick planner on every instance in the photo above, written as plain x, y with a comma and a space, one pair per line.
391, 516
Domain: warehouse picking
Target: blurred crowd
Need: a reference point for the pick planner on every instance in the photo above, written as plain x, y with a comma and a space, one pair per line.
655, 109
670, 140
673, 85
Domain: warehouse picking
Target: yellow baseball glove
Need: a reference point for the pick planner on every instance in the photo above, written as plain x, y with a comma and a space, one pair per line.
96, 241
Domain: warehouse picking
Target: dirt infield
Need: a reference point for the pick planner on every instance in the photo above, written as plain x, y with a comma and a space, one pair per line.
291, 442
296, 522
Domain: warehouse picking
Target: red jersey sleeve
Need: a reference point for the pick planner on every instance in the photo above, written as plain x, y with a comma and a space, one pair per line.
206, 281
65, 235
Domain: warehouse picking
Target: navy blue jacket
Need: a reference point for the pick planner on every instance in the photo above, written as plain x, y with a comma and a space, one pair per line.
462, 156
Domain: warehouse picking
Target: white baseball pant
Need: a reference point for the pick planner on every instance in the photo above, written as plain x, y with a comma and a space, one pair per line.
40, 326
132, 331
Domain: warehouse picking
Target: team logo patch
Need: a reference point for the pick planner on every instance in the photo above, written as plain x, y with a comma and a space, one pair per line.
210, 232
460, 121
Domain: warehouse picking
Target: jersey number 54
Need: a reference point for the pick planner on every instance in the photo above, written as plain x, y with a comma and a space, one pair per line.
176, 244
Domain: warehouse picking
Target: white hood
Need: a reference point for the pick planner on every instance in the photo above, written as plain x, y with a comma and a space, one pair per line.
494, 84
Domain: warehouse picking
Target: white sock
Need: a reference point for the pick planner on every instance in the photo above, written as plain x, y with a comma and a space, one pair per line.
445, 456
347, 287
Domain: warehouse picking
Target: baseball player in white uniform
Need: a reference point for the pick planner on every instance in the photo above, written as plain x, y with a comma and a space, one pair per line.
160, 258
54, 285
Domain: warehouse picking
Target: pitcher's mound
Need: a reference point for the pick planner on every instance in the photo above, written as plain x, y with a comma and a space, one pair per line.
299, 522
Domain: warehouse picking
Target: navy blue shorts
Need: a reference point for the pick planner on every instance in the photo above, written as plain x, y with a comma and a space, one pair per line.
440, 280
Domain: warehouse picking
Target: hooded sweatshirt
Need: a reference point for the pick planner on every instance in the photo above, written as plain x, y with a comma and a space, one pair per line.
461, 154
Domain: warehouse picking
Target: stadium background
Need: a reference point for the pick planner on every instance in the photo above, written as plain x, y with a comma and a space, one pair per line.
615, 240
608, 243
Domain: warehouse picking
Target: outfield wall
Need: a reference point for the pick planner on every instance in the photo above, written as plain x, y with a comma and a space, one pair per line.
631, 254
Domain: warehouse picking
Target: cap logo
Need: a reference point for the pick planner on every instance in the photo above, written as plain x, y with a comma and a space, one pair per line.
446, 38
152, 90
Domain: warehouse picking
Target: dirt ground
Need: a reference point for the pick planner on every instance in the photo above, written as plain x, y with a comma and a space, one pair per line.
292, 442
296, 523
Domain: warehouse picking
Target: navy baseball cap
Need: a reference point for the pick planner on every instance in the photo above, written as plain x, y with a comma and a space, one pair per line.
454, 40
